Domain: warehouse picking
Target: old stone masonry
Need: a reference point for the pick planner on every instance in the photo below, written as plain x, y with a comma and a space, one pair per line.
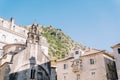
25, 61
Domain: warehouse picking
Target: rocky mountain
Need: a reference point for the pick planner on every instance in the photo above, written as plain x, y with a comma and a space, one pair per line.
59, 43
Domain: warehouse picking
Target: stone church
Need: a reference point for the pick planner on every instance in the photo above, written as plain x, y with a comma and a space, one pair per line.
25, 61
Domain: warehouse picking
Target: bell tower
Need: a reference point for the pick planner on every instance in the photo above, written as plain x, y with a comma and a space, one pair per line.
33, 41
33, 35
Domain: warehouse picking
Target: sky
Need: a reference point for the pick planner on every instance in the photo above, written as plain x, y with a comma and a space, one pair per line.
93, 23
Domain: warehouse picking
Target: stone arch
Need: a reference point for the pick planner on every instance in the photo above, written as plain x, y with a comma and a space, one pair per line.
42, 74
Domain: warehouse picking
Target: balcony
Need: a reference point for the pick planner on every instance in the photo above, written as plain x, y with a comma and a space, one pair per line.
77, 66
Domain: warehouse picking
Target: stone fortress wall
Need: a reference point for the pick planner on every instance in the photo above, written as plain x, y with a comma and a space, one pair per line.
12, 33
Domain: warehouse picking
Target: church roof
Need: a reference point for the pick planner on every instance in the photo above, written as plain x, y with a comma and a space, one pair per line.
10, 45
13, 48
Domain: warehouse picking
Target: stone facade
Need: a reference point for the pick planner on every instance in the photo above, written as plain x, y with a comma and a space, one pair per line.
25, 61
11, 33
116, 52
92, 64
24, 56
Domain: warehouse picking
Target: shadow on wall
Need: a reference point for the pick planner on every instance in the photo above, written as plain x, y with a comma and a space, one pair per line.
39, 72
110, 69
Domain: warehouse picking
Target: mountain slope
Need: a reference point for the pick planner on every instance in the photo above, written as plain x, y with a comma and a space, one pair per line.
59, 43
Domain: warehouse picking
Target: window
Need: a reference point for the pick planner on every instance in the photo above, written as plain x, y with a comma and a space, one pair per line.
3, 37
93, 73
78, 76
64, 77
118, 50
13, 27
76, 52
15, 40
24, 31
92, 61
65, 66
32, 76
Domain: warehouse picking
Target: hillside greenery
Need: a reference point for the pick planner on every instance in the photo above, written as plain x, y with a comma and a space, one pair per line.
59, 43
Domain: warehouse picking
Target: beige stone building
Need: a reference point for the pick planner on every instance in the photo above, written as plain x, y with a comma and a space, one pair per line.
23, 53
25, 61
25, 58
89, 64
11, 33
116, 52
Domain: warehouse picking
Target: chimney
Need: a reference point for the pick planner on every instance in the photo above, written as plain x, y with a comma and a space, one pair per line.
11, 22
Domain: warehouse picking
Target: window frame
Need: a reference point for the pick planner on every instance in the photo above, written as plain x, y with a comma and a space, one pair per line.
118, 50
4, 37
93, 73
92, 61
32, 73
76, 52
65, 66
64, 77
78, 76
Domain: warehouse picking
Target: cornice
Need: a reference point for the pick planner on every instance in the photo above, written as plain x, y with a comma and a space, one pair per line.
3, 42
13, 32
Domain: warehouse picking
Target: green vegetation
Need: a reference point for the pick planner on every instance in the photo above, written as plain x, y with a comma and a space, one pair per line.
59, 43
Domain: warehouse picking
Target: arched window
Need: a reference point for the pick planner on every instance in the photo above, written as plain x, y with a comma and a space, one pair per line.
3, 38
15, 40
1, 23
32, 75
13, 27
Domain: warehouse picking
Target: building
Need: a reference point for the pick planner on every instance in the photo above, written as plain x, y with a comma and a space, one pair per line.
11, 33
116, 52
89, 64
24, 56
25, 61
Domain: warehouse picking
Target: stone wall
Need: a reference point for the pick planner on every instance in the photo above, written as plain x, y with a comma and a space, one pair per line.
96, 71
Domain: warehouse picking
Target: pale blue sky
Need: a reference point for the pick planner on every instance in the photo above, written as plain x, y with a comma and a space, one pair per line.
94, 23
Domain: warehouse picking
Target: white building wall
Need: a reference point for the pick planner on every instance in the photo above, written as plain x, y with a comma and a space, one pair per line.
12, 33
45, 50
44, 45
9, 37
